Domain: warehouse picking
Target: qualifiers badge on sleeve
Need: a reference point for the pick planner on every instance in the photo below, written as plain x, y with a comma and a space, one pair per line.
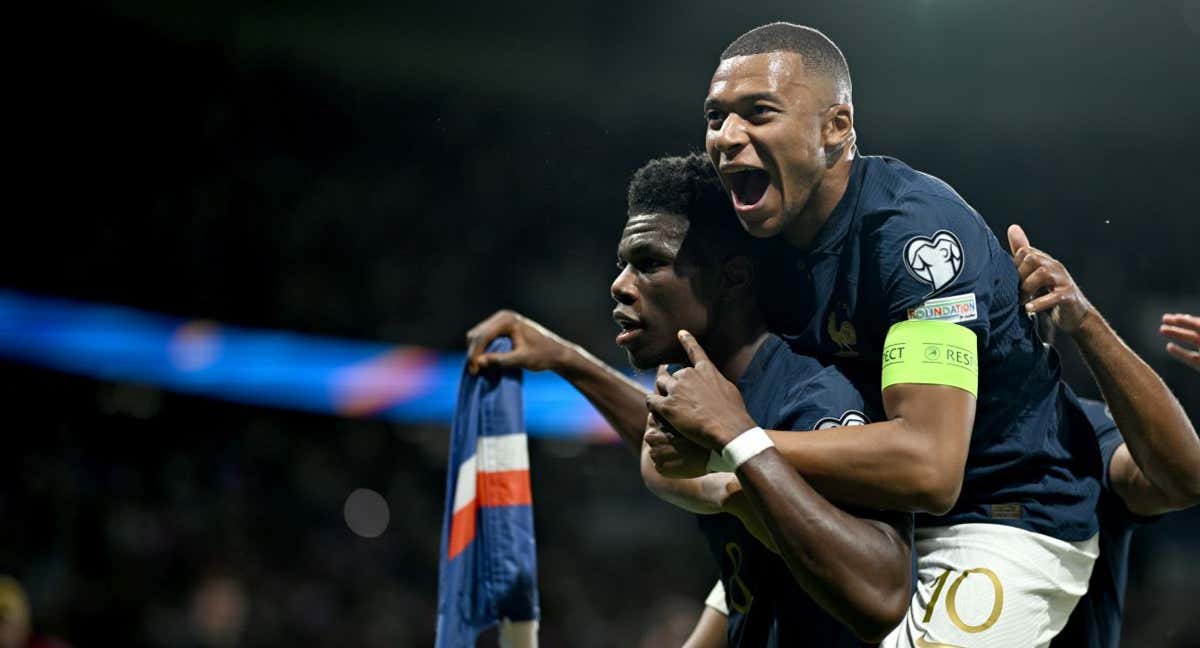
936, 260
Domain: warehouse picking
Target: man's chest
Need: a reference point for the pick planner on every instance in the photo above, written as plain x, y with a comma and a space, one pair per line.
834, 312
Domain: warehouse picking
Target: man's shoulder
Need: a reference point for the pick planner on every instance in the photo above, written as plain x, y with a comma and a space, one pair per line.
812, 393
897, 200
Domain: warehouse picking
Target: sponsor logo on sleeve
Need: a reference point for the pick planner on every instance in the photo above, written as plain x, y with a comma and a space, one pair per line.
850, 417
956, 308
936, 260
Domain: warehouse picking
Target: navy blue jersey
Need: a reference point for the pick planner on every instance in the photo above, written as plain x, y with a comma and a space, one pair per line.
767, 608
1096, 621
903, 245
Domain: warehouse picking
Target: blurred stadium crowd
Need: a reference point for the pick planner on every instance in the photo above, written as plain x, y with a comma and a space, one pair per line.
395, 175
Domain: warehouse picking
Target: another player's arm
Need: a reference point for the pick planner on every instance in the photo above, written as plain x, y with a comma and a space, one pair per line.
912, 462
711, 629
1157, 469
707, 494
857, 569
620, 400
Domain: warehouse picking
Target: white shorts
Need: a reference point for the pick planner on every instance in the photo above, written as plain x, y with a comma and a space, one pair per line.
992, 586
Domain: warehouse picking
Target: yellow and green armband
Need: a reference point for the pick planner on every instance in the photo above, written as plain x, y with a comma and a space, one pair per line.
929, 352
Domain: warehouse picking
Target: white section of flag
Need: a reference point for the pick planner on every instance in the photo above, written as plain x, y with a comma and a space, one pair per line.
502, 453
464, 485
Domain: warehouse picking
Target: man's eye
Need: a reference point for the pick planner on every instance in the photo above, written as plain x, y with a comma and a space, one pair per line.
621, 265
761, 111
714, 117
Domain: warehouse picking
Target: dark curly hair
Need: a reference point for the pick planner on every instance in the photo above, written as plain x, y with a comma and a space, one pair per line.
687, 186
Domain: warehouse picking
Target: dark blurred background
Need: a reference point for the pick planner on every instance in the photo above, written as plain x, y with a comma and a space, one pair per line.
396, 172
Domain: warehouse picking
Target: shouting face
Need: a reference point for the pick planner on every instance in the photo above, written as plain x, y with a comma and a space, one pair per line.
771, 131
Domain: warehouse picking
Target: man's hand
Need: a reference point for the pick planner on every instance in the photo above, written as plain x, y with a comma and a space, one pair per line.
673, 455
699, 402
534, 347
1046, 284
1182, 329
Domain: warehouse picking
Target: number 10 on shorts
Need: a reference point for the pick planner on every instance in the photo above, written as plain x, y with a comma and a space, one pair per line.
952, 599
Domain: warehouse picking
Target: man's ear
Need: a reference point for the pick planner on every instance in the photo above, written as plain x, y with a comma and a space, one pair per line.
737, 275
838, 131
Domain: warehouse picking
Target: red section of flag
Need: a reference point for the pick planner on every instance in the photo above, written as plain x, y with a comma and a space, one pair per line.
503, 488
462, 530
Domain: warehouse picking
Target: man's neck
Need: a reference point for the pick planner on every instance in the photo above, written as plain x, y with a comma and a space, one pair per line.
804, 228
732, 353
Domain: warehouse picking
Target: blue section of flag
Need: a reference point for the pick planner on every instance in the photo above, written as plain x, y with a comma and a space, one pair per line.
495, 576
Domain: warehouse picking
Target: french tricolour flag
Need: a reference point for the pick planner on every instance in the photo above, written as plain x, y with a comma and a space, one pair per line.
488, 563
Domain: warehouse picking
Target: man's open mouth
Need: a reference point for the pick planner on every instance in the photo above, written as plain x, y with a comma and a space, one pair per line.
630, 327
748, 186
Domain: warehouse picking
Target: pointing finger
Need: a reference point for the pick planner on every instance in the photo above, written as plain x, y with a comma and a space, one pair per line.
694, 352
1017, 238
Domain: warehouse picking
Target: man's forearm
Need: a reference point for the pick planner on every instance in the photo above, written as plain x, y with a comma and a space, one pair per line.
884, 466
858, 570
700, 495
1157, 431
620, 400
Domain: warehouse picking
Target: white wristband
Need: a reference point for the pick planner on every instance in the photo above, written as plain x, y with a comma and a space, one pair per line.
746, 445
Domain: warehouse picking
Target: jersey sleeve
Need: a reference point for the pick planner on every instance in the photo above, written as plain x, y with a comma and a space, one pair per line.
933, 258
1108, 436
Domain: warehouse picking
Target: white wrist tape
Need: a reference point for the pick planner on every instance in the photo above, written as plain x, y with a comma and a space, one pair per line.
746, 445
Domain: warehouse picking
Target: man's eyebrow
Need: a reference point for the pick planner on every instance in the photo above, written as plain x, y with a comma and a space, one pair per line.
746, 98
642, 246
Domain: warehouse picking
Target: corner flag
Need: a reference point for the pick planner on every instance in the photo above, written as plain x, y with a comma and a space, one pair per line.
488, 561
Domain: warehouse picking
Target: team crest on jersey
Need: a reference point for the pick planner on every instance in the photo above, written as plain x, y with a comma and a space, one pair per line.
851, 417
936, 260
842, 333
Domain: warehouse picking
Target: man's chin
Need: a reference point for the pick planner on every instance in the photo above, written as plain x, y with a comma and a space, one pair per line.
765, 227
650, 361
642, 361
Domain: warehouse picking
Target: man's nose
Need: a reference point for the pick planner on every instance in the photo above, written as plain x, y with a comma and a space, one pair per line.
731, 137
622, 287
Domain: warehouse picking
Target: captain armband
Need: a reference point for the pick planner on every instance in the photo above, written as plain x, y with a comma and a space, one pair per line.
930, 352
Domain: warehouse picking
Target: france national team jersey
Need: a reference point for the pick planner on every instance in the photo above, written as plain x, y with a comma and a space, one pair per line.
903, 245
1096, 621
782, 391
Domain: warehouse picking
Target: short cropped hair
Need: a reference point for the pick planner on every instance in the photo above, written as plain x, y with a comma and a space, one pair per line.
818, 52
688, 187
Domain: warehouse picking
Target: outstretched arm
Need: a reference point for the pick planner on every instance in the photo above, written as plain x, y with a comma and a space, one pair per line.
1158, 468
620, 400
